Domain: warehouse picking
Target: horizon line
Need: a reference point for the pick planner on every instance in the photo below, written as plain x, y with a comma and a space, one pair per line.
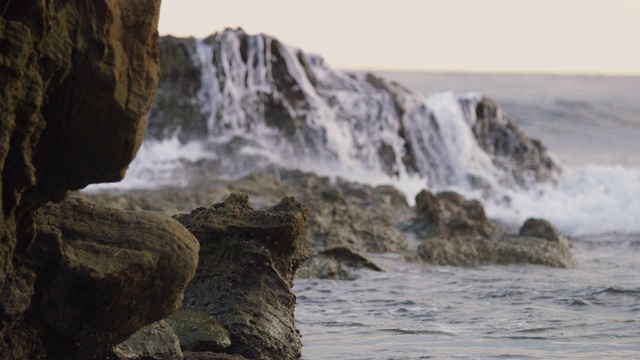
494, 71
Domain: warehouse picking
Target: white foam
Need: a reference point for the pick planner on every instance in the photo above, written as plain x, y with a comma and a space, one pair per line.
588, 200
157, 164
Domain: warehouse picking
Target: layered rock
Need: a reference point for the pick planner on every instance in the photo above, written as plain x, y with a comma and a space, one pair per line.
455, 231
76, 82
247, 262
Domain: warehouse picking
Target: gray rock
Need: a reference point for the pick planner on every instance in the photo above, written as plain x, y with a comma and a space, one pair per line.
198, 331
455, 231
155, 341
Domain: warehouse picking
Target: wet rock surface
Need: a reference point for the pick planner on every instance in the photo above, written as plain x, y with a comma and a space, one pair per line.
76, 81
248, 259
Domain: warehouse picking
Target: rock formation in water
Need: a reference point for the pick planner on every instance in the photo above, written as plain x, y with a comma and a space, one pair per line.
346, 220
255, 92
455, 231
76, 81
247, 262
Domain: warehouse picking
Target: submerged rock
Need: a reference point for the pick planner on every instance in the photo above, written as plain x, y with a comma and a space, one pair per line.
247, 263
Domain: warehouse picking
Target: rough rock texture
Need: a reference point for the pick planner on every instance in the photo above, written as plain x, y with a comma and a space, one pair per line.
198, 331
76, 81
247, 262
448, 214
526, 159
457, 232
539, 228
342, 214
104, 273
155, 341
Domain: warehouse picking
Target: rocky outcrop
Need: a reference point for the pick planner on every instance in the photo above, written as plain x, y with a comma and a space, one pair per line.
76, 81
455, 231
288, 107
345, 215
526, 159
247, 262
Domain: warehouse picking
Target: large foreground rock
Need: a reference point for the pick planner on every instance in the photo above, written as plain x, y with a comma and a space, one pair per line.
247, 262
76, 81
104, 273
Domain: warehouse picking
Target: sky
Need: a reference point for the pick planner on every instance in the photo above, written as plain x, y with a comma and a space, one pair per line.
521, 36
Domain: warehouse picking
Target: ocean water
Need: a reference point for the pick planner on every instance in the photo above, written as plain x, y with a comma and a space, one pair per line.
592, 126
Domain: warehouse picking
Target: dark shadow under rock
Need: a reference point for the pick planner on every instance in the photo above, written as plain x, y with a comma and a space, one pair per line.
335, 263
247, 263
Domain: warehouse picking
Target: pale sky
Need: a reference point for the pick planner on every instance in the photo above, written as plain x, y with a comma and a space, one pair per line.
551, 36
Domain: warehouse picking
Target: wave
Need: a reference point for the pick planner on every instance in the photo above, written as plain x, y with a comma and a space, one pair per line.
243, 103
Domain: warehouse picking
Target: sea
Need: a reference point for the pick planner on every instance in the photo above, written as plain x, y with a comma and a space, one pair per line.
591, 126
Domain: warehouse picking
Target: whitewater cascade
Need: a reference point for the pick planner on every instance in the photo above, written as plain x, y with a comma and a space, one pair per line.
253, 97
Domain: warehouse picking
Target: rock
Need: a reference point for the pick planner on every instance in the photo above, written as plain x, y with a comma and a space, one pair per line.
155, 341
211, 356
346, 215
89, 258
255, 92
335, 263
247, 263
456, 232
473, 251
448, 214
198, 331
539, 228
525, 159
76, 81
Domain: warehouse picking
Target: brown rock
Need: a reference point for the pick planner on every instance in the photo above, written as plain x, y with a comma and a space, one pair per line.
247, 262
448, 214
105, 273
76, 81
